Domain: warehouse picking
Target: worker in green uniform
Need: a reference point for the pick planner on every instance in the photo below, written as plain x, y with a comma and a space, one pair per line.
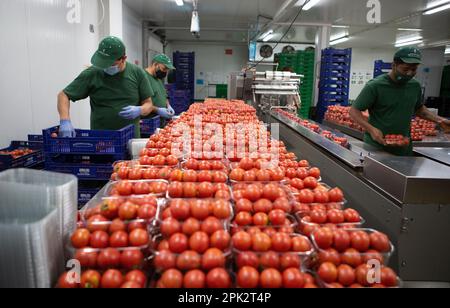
392, 100
156, 73
119, 91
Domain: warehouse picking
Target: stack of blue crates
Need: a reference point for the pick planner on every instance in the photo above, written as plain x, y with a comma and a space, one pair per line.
184, 63
89, 156
334, 88
32, 160
381, 68
180, 100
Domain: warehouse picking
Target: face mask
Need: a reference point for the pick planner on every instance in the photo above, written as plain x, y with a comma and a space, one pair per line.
160, 74
402, 78
113, 70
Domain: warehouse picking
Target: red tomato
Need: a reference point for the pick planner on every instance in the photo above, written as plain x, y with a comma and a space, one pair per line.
194, 279
97, 223
330, 255
314, 172
90, 280
323, 238
204, 176
199, 242
277, 175
190, 226
204, 165
380, 242
124, 188
271, 279
336, 195
301, 244
128, 211
178, 243
252, 193
139, 237
243, 219
261, 242
263, 175
372, 255
221, 240
170, 226
221, 209
213, 258
248, 278
112, 279
218, 278
388, 277
219, 177
346, 275
80, 238
246, 164
200, 209
189, 260
306, 196
118, 239
135, 174
131, 259
172, 279
270, 259
352, 216
175, 190
318, 217
263, 206
302, 173
180, 209
328, 272
260, 219
293, 279
99, 239
247, 259
237, 175
277, 217
281, 242
211, 225
68, 281
336, 216
290, 260
243, 205
297, 183
117, 225
310, 183
137, 277
362, 273
321, 197
242, 241
171, 160
341, 241
351, 257
360, 241
190, 190
249, 176
164, 260
270, 192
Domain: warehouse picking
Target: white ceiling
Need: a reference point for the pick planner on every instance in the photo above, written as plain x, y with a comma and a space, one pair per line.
242, 14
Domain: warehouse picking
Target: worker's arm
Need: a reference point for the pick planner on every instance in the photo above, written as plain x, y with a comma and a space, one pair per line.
147, 107
426, 114
66, 129
359, 118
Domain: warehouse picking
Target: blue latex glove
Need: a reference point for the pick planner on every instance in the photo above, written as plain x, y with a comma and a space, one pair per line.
165, 113
131, 112
66, 129
171, 111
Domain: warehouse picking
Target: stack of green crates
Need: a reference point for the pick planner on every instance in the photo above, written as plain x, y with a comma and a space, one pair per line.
221, 91
302, 62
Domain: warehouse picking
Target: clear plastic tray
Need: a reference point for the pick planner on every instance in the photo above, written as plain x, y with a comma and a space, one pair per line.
112, 185
115, 176
386, 255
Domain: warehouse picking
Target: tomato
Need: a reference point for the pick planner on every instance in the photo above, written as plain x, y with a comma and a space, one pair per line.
243, 219
352, 216
178, 243
297, 183
281, 242
261, 242
306, 196
293, 279
318, 217
175, 190
180, 209
111, 279
123, 173
149, 174
204, 176
219, 177
190, 226
302, 173
301, 244
336, 195
252, 193
270, 192
243, 205
221, 209
146, 212
221, 240
336, 216
263, 206
246, 164
189, 260
131, 259
351, 257
346, 275
362, 274
321, 197
80, 238
288, 260
86, 258
271, 279
204, 165
211, 225
117, 225
247, 259
315, 173
170, 226
260, 219
277, 217
128, 211
282, 204
124, 188
263, 175
90, 280
118, 239
199, 242
270, 259
249, 176
190, 190
341, 240
194, 279
97, 223
171, 160
303, 164
360, 241
213, 258
330, 255
159, 160
310, 183
388, 277
172, 279
218, 278
99, 239
291, 173
242, 241
135, 174
164, 260
192, 164
187, 176
323, 238
68, 281
277, 175
248, 278
237, 175
328, 272
380, 242
139, 237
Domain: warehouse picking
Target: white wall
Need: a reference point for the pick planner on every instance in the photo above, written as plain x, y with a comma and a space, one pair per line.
154, 47
212, 64
41, 53
132, 34
430, 72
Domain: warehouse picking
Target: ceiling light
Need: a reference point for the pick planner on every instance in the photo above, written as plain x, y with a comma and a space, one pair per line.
447, 50
437, 3
410, 43
179, 2
409, 29
339, 40
338, 26
308, 5
409, 39
266, 34
437, 9
268, 37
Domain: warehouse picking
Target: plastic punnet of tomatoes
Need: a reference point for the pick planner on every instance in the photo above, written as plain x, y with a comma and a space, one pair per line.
107, 279
397, 140
193, 176
301, 210
139, 172
334, 218
126, 188
198, 251
196, 164
321, 194
204, 190
217, 278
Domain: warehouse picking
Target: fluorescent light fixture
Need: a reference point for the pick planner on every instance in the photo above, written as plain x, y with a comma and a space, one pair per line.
338, 26
437, 3
410, 43
339, 40
409, 29
437, 9
268, 37
447, 50
310, 4
266, 34
179, 2
409, 39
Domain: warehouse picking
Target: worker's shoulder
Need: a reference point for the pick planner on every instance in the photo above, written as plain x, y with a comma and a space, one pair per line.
133, 68
414, 83
379, 81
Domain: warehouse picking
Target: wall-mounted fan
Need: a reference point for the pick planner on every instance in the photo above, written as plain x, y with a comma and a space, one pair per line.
288, 49
266, 51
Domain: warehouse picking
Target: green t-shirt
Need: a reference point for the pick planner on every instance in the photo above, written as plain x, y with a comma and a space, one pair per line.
160, 94
391, 107
110, 94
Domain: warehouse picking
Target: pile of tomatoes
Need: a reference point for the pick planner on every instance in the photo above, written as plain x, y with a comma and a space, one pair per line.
397, 140
198, 190
341, 115
145, 187
421, 128
110, 279
17, 153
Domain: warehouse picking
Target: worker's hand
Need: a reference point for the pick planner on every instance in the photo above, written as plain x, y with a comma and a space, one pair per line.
66, 129
445, 125
171, 111
131, 112
164, 112
377, 135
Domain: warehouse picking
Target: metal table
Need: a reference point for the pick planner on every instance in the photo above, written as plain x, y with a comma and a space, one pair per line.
441, 155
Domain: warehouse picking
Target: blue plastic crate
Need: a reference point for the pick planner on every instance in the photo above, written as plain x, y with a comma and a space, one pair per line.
337, 59
36, 138
89, 141
180, 93
379, 64
26, 161
149, 126
88, 189
337, 52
